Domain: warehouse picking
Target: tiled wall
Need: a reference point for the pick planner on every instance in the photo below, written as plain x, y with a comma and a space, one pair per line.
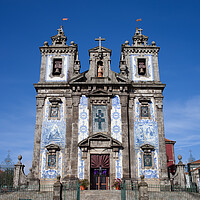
146, 132
53, 132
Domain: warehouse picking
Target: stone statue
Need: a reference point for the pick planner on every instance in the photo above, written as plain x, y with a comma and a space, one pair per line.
100, 70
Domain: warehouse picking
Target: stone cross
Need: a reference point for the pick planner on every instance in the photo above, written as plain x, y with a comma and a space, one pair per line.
100, 39
99, 118
140, 30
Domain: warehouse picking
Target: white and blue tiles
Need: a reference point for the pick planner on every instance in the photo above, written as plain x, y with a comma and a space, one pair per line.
83, 119
149, 66
146, 132
116, 119
119, 165
50, 174
116, 131
49, 66
80, 165
82, 131
53, 132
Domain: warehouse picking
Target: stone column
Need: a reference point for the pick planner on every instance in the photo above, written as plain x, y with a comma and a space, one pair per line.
38, 132
143, 189
125, 136
19, 178
57, 189
161, 135
74, 147
68, 138
132, 143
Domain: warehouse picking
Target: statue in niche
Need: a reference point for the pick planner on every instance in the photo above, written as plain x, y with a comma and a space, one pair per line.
100, 69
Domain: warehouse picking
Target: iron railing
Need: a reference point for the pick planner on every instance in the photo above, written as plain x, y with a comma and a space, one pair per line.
71, 191
130, 191
42, 192
6, 177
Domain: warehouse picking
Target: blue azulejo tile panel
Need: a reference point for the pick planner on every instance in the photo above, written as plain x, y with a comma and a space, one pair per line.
116, 119
51, 174
149, 65
149, 173
53, 132
49, 67
83, 119
80, 165
82, 131
119, 165
146, 132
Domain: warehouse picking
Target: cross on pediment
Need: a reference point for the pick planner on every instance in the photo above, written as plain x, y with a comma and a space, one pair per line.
100, 39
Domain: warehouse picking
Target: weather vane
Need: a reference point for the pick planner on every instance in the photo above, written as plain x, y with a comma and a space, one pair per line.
138, 20
63, 19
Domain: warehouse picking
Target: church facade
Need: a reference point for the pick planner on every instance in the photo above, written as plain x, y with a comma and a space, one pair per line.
99, 125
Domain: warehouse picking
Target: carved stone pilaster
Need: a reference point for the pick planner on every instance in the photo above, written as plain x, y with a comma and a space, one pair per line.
38, 132
159, 103
162, 147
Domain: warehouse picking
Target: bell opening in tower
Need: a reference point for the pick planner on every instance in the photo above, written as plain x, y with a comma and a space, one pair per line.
57, 67
141, 66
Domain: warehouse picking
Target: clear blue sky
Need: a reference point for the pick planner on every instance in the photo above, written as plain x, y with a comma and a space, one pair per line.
25, 25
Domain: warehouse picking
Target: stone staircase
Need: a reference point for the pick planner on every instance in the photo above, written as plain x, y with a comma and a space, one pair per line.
100, 195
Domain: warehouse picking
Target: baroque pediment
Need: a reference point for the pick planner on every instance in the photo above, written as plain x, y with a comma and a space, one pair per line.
100, 140
53, 146
147, 146
103, 49
98, 92
78, 78
121, 78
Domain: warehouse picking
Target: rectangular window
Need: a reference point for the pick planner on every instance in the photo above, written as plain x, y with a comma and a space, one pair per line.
54, 111
147, 160
52, 161
57, 67
141, 66
144, 111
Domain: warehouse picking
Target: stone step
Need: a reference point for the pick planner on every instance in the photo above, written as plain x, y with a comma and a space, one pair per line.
100, 195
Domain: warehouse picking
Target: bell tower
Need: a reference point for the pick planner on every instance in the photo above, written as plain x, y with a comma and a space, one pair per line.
100, 61
139, 64
59, 63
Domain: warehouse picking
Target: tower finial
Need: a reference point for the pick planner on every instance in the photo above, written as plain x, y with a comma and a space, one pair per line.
59, 39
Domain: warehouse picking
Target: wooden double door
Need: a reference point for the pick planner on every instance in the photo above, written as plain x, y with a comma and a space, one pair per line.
99, 171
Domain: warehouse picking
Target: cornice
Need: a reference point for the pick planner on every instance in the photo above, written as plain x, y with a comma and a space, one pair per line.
51, 85
57, 49
148, 85
140, 49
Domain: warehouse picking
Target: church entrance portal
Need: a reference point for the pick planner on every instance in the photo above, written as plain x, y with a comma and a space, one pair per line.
99, 171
